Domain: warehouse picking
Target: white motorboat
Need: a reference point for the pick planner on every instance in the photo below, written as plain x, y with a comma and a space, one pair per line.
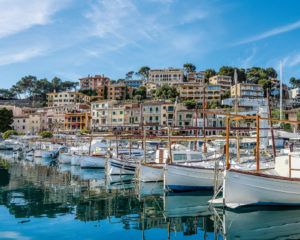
190, 177
97, 161
76, 159
150, 172
120, 167
278, 186
65, 158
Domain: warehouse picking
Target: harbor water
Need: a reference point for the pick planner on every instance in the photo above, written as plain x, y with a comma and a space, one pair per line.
44, 200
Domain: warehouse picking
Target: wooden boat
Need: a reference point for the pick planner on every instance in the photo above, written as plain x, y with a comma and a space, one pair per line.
277, 186
96, 161
192, 177
120, 167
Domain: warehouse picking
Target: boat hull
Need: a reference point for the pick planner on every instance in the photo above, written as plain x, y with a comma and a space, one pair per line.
92, 162
246, 188
150, 173
118, 167
75, 160
64, 158
189, 178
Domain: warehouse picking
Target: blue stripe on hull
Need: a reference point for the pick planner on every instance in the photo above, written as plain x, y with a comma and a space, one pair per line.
128, 168
181, 188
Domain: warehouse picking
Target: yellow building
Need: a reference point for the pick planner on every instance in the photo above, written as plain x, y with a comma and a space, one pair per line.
221, 80
77, 121
66, 98
190, 90
247, 90
166, 76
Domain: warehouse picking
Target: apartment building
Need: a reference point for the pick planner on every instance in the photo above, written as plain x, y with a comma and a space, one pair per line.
246, 90
190, 90
213, 93
93, 82
117, 91
196, 77
66, 98
166, 76
152, 115
221, 80
21, 123
184, 118
132, 83
77, 121
167, 114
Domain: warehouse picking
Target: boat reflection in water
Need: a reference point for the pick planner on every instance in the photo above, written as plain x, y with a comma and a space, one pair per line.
262, 223
87, 204
187, 204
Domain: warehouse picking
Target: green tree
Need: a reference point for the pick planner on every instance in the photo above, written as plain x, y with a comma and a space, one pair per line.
190, 104
271, 72
209, 73
144, 72
225, 95
129, 75
7, 94
189, 67
46, 134
229, 71
26, 85
166, 92
213, 104
141, 91
9, 133
105, 92
266, 84
6, 119
56, 84
295, 82
89, 92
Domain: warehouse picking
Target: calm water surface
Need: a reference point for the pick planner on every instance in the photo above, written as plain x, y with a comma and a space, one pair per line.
39, 201
42, 200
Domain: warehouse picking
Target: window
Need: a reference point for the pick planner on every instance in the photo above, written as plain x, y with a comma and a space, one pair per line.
180, 157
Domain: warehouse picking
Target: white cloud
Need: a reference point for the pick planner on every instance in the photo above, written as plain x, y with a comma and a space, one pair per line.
270, 33
21, 55
20, 15
291, 60
13, 235
247, 62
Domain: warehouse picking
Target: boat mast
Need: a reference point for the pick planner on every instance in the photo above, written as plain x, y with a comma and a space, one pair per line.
203, 114
257, 142
280, 100
271, 125
236, 105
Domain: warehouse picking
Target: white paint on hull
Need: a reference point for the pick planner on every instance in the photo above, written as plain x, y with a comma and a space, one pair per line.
148, 173
244, 189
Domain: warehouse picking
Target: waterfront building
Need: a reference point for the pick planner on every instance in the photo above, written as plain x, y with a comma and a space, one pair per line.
150, 89
21, 123
167, 114
196, 77
77, 121
66, 98
294, 115
93, 82
247, 90
190, 90
213, 93
118, 91
132, 83
152, 115
166, 76
223, 81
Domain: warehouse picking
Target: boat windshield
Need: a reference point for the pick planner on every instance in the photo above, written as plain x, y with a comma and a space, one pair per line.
179, 157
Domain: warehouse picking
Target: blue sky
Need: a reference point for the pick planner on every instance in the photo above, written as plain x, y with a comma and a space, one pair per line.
74, 38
